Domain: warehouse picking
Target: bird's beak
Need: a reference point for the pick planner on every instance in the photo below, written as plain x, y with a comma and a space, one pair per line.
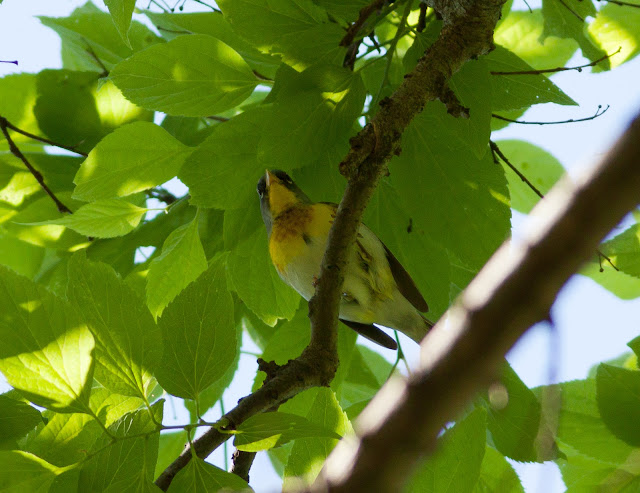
268, 177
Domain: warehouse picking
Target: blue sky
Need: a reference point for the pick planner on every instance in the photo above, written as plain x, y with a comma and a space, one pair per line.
591, 325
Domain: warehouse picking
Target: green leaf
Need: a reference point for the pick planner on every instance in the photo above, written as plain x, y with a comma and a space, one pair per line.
135, 157
223, 170
90, 40
344, 9
122, 461
616, 27
404, 234
521, 32
16, 418
199, 335
121, 11
567, 19
128, 342
537, 165
256, 281
65, 439
622, 285
311, 117
16, 105
199, 476
580, 425
437, 171
618, 395
101, 219
515, 427
216, 25
624, 250
300, 31
181, 262
455, 466
366, 374
46, 351
583, 474
496, 474
172, 78
268, 430
308, 454
20, 256
472, 84
22, 471
513, 91
171, 446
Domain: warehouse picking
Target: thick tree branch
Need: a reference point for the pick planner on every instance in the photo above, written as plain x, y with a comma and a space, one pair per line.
463, 354
467, 33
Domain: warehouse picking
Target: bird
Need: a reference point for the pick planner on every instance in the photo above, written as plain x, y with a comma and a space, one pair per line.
376, 289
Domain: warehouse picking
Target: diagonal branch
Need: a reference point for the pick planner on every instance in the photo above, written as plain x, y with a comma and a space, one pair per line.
514, 290
467, 33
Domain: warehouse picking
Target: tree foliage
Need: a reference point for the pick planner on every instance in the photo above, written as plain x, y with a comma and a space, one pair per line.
139, 295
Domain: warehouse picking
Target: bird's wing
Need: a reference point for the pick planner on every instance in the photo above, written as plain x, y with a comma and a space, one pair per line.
372, 333
405, 284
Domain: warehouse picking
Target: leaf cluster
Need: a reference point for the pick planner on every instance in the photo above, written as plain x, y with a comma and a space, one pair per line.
145, 292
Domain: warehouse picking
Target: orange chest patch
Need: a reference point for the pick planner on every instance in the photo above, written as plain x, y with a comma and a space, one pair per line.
288, 235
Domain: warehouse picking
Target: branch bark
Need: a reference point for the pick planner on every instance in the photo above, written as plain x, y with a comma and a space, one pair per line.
467, 33
461, 356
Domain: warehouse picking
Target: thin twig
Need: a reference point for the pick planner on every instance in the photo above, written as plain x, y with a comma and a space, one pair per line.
15, 62
571, 10
160, 28
364, 14
558, 69
218, 118
571, 120
4, 125
422, 19
89, 49
11, 126
495, 150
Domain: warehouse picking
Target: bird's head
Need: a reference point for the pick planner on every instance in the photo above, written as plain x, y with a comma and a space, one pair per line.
278, 193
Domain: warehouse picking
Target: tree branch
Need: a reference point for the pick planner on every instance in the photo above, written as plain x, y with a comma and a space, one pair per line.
467, 32
514, 290
4, 125
363, 15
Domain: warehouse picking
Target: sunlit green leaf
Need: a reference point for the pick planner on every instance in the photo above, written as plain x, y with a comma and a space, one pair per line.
172, 77
622, 285
135, 157
624, 250
16, 105
128, 342
308, 455
537, 165
122, 461
171, 445
617, 28
182, 260
101, 219
521, 31
46, 351
567, 19
34, 473
216, 25
199, 335
20, 256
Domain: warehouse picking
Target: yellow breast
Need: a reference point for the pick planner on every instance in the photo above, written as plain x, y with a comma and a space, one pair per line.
294, 229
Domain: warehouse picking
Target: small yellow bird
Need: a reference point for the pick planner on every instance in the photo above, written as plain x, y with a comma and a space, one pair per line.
377, 289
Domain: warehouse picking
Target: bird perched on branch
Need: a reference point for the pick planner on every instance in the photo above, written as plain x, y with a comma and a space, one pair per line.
376, 289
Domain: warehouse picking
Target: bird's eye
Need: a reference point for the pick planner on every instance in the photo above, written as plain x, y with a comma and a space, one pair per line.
261, 188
